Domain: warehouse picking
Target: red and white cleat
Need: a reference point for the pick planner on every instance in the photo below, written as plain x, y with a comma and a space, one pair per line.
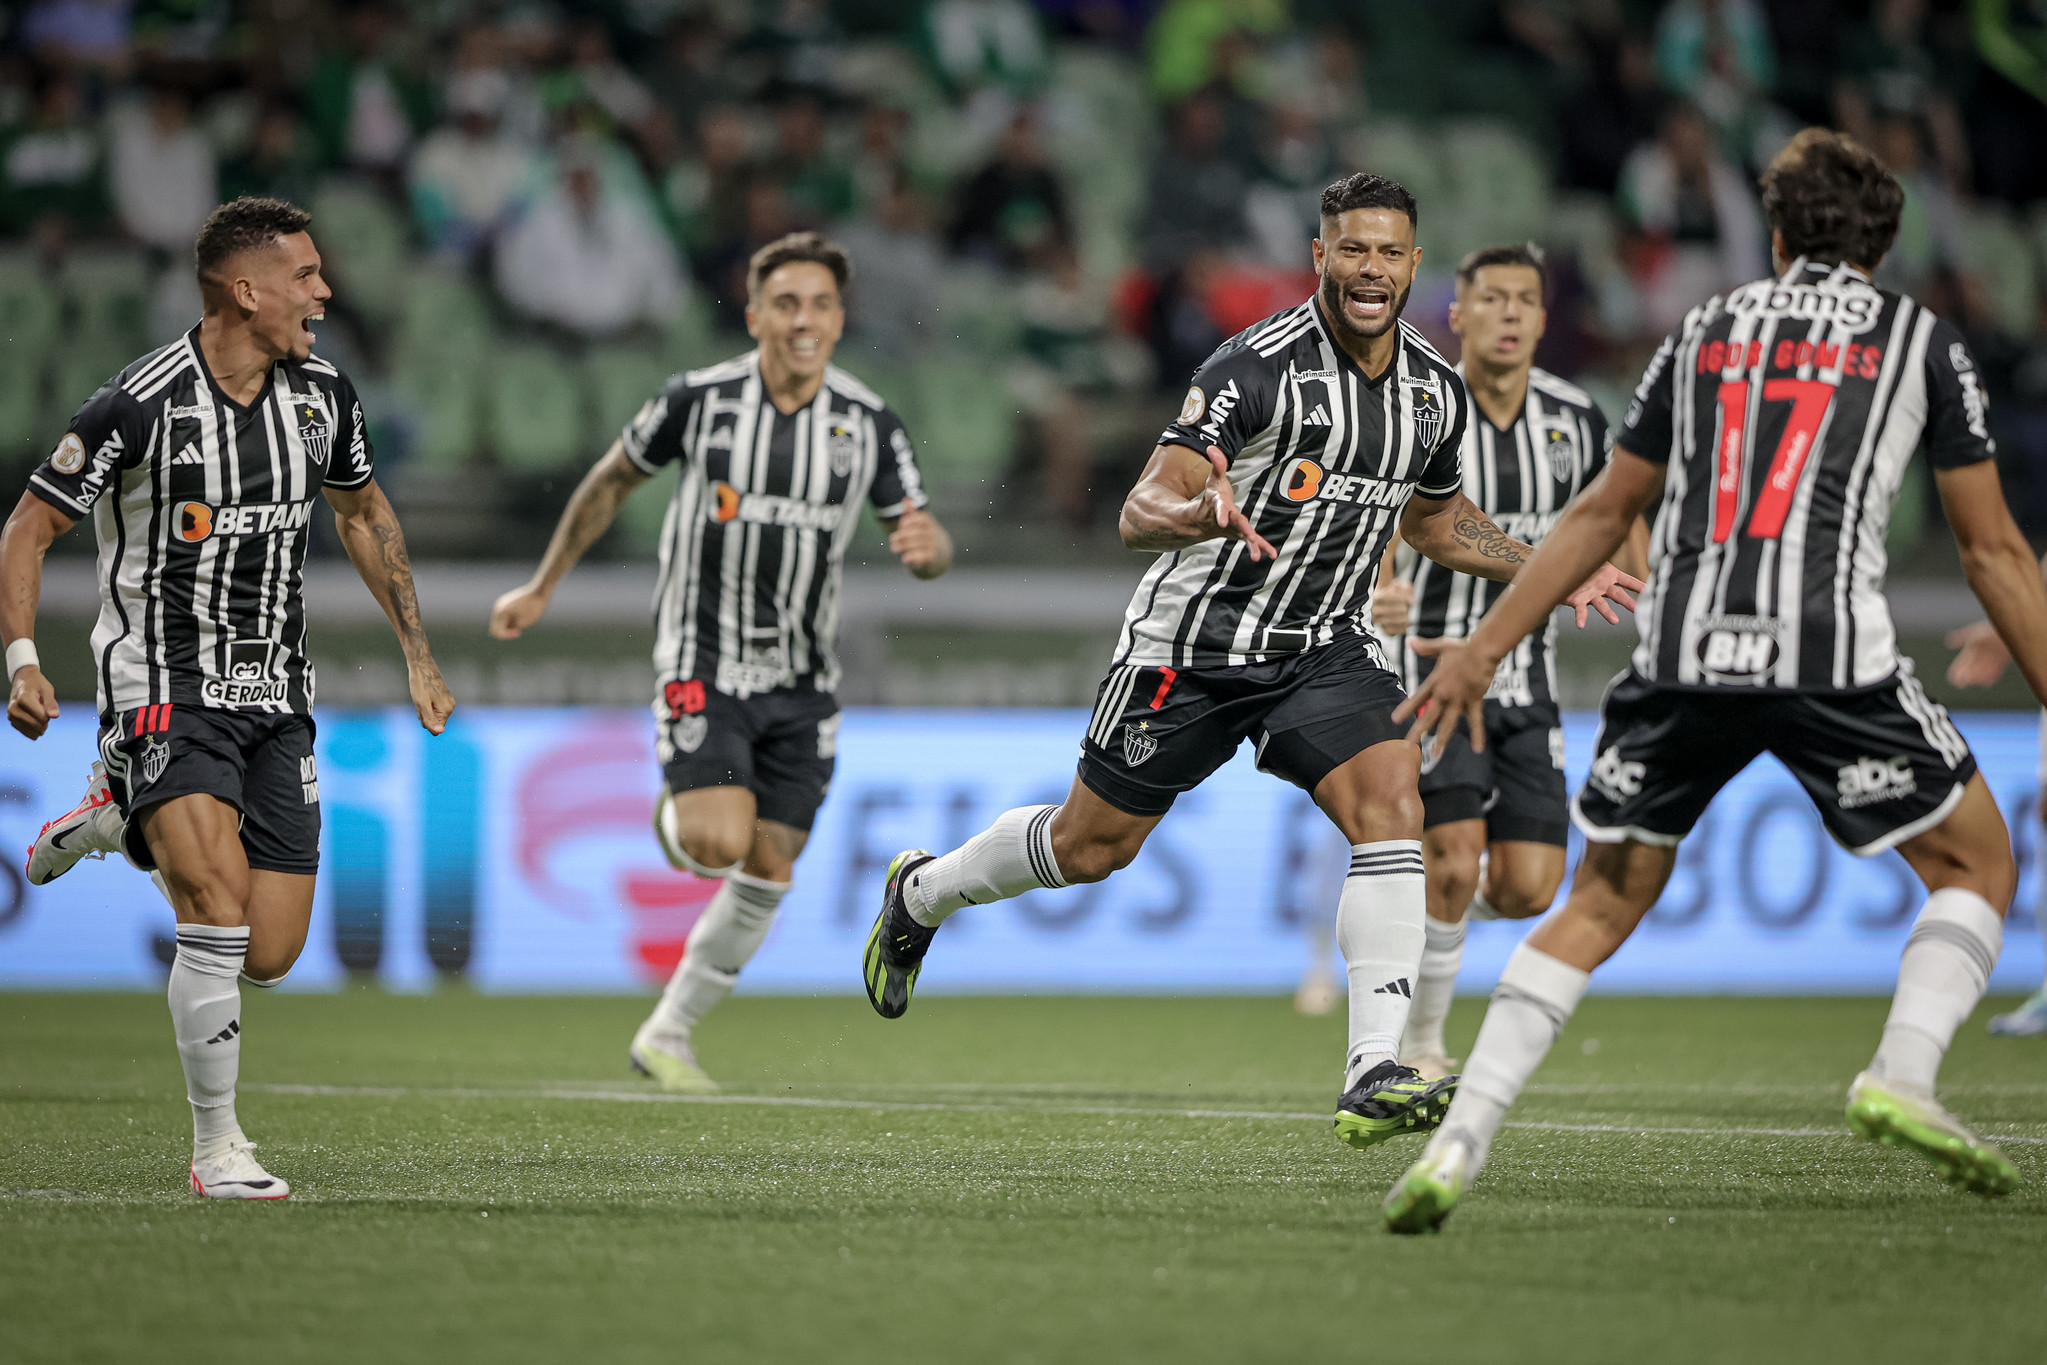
235, 1174
93, 828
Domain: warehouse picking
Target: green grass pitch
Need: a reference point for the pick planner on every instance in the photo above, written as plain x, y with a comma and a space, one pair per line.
988, 1180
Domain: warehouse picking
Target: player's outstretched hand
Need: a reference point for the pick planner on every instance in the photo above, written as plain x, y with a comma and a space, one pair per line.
1983, 656
1607, 584
1454, 689
513, 612
31, 702
1392, 603
1218, 502
920, 543
430, 695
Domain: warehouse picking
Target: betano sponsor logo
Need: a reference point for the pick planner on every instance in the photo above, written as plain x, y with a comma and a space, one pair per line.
197, 521
1307, 481
770, 509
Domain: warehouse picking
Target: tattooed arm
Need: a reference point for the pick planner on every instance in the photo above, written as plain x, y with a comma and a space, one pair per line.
1455, 534
369, 532
591, 510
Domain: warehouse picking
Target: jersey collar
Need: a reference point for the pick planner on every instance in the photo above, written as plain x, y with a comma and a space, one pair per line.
1344, 357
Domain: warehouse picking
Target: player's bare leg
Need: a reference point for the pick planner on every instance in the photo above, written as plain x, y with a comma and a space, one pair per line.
230, 920
716, 827
1379, 926
1468, 879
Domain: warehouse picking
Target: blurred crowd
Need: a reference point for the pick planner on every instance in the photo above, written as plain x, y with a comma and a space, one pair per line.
534, 210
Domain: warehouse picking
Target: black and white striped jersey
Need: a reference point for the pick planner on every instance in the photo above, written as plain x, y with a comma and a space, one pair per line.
1787, 411
1521, 477
1323, 461
200, 508
753, 548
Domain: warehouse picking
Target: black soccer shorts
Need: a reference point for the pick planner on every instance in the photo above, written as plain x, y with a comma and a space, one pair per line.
1157, 732
259, 763
780, 745
1882, 764
1516, 786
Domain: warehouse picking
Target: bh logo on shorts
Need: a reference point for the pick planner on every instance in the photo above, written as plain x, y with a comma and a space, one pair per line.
1139, 744
1615, 778
1868, 781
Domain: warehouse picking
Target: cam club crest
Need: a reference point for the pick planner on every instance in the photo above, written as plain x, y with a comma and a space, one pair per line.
841, 445
690, 732
155, 757
1138, 743
1560, 443
316, 433
1427, 397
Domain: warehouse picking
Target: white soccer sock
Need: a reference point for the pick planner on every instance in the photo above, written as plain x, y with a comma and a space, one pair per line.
206, 1016
1941, 977
1010, 857
1436, 982
1534, 1000
1379, 927
723, 940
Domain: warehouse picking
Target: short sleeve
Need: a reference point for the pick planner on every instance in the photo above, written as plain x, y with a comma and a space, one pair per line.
653, 439
1443, 475
1230, 402
354, 463
1957, 407
1645, 430
897, 483
1602, 441
104, 438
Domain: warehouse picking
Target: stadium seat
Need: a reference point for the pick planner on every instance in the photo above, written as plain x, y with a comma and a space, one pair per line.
1996, 251
1401, 150
22, 428
109, 293
966, 429
535, 409
1499, 181
362, 239
28, 305
618, 381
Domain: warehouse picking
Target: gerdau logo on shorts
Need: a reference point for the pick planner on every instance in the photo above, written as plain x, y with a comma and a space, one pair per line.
248, 681
1867, 781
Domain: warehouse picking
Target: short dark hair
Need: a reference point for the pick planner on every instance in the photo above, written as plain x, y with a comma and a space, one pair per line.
1367, 191
244, 224
1528, 254
797, 246
1832, 199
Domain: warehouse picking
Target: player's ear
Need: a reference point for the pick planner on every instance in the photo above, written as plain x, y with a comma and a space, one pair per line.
1456, 319
1315, 251
753, 328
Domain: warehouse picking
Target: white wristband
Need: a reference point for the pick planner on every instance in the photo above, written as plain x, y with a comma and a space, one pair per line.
20, 655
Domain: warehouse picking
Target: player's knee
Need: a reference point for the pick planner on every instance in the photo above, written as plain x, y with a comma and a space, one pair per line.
1521, 901
716, 847
1457, 880
209, 899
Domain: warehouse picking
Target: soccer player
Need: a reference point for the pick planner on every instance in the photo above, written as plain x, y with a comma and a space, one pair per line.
1980, 663
199, 464
779, 450
1494, 824
1303, 442
1773, 429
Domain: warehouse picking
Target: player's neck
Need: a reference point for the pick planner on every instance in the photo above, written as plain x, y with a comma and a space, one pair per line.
239, 362
788, 391
1500, 393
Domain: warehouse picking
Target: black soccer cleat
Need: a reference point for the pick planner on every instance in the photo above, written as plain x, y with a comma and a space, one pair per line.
1389, 1100
896, 947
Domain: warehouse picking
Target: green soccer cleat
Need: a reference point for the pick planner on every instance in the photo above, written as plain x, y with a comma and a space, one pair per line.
895, 949
670, 1064
1389, 1100
1425, 1196
1898, 1117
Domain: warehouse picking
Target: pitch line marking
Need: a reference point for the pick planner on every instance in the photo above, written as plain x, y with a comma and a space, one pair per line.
925, 1106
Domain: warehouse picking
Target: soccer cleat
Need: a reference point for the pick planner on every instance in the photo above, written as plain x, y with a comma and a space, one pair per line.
1433, 1066
91, 829
2027, 1021
896, 947
1424, 1197
1389, 1100
1898, 1117
670, 1063
234, 1174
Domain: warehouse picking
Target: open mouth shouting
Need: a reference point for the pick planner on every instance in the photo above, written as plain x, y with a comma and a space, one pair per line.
306, 326
1368, 304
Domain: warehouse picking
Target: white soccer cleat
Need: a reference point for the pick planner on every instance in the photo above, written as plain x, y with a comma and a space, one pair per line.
235, 1174
1434, 1066
669, 1062
93, 828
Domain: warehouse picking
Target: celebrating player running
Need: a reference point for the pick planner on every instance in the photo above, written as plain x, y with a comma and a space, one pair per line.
1773, 428
1303, 443
199, 464
779, 449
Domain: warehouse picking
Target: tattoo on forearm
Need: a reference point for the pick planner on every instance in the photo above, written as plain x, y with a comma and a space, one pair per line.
397, 568
1476, 533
